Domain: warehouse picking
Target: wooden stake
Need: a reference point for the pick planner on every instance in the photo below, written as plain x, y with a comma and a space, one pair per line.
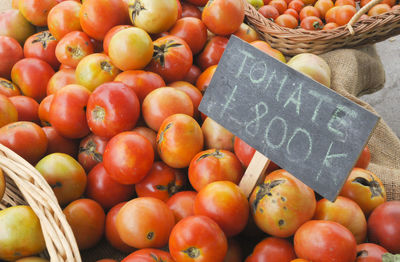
255, 173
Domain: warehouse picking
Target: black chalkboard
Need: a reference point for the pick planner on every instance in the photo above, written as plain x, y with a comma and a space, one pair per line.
306, 128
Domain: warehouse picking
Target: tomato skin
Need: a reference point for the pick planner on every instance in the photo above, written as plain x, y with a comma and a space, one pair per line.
323, 6
150, 135
32, 76
286, 20
110, 34
212, 52
59, 144
42, 45
198, 2
73, 47
17, 135
128, 157
269, 11
36, 11
194, 94
193, 31
272, 249
87, 219
364, 159
8, 89
312, 23
148, 255
344, 14
182, 204
216, 136
60, 79
247, 33
139, 225
319, 240
192, 75
243, 151
197, 238
44, 110
91, 149
190, 10
27, 108
64, 18
384, 226
204, 79
13, 24
296, 5
10, 53
8, 111
67, 111
369, 252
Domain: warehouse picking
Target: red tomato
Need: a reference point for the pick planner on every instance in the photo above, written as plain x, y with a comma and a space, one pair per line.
192, 75
384, 226
44, 110
190, 10
10, 53
87, 219
272, 249
161, 182
193, 31
292, 12
60, 144
194, 94
42, 45
247, 33
128, 157
197, 238
330, 15
321, 241
280, 5
36, 11
18, 135
296, 5
150, 135
110, 34
148, 255
8, 111
369, 252
212, 52
8, 89
286, 20
73, 47
13, 24
330, 26
67, 111
345, 2
91, 150
364, 159
198, 2
204, 79
312, 23
32, 76
243, 151
269, 11
389, 2
139, 224
60, 79
27, 108
64, 18
182, 204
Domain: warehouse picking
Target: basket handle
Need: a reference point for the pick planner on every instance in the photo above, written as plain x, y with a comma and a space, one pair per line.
360, 12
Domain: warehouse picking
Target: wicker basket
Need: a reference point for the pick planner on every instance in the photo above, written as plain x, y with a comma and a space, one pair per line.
26, 186
356, 33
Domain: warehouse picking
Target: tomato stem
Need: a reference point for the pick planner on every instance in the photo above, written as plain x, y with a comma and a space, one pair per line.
192, 252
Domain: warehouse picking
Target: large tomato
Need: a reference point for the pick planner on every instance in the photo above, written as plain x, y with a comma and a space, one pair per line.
10, 53
384, 226
13, 24
148, 255
110, 34
150, 135
36, 11
320, 241
145, 222
64, 18
42, 45
272, 249
27, 108
59, 144
216, 136
282, 204
91, 149
198, 238
8, 111
60, 79
182, 204
7, 88
194, 94
212, 52
369, 252
73, 47
193, 31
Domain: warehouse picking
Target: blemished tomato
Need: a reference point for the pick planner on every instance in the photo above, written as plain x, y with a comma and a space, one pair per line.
369, 252
42, 45
131, 49
111, 232
18, 135
164, 102
65, 175
73, 47
214, 165
320, 241
198, 238
8, 89
179, 139
67, 111
8, 111
10, 53
204, 79
379, 9
60, 79
161, 182
87, 219
309, 11
153, 16
94, 70
182, 204
13, 24
286, 20
104, 190
128, 157
150, 135
364, 159
247, 33
296, 5
190, 10
97, 17
272, 249
110, 34
280, 5
194, 94
346, 212
384, 226
27, 108
323, 6
31, 75
44, 110
289, 202
243, 151
365, 188
269, 11
139, 224
344, 14
192, 75
64, 18
91, 149
193, 31
312, 23
212, 52
59, 144
36, 11
149, 255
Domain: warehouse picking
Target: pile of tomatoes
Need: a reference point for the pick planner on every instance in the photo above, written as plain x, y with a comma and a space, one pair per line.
104, 103
319, 14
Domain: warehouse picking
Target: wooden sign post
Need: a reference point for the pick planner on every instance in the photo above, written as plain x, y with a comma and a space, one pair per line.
304, 127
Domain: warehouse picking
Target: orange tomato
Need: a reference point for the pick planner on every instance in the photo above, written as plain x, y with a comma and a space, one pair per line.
280, 5
269, 11
344, 13
309, 11
286, 20
247, 33
345, 2
379, 9
312, 23
323, 6
330, 26
296, 5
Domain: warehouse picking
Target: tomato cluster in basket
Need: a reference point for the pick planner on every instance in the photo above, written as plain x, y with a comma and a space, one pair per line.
104, 103
319, 14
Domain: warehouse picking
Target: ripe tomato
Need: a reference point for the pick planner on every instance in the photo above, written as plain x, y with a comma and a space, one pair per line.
344, 14
198, 2
150, 135
60, 79
225, 203
247, 33
192, 75
323, 6
110, 34
345, 2
234, 253
128, 157
13, 24
214, 165
10, 53
139, 224
153, 16
8, 111
204, 79
389, 2
27, 108
269, 11
179, 139
164, 102
87, 219
44, 110
296, 5
312, 23
364, 159
345, 212
286, 20
384, 226
32, 76
197, 238
292, 12
36, 11
330, 15
18, 135
104, 190
190, 10
379, 9
266, 48
212, 52
64, 18
94, 70
8, 89
59, 144
67, 111
330, 26
42, 45
182, 204
97, 17
193, 31
365, 188
131, 49
319, 240
148, 255
369, 252
194, 94
73, 47
91, 150
282, 204
309, 11
272, 249
243, 151
161, 182
280, 5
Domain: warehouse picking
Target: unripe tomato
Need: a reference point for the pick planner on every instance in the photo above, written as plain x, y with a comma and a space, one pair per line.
13, 24
110, 34
216, 136
8, 88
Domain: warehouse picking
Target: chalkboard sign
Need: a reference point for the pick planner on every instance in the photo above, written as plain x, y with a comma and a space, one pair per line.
306, 128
